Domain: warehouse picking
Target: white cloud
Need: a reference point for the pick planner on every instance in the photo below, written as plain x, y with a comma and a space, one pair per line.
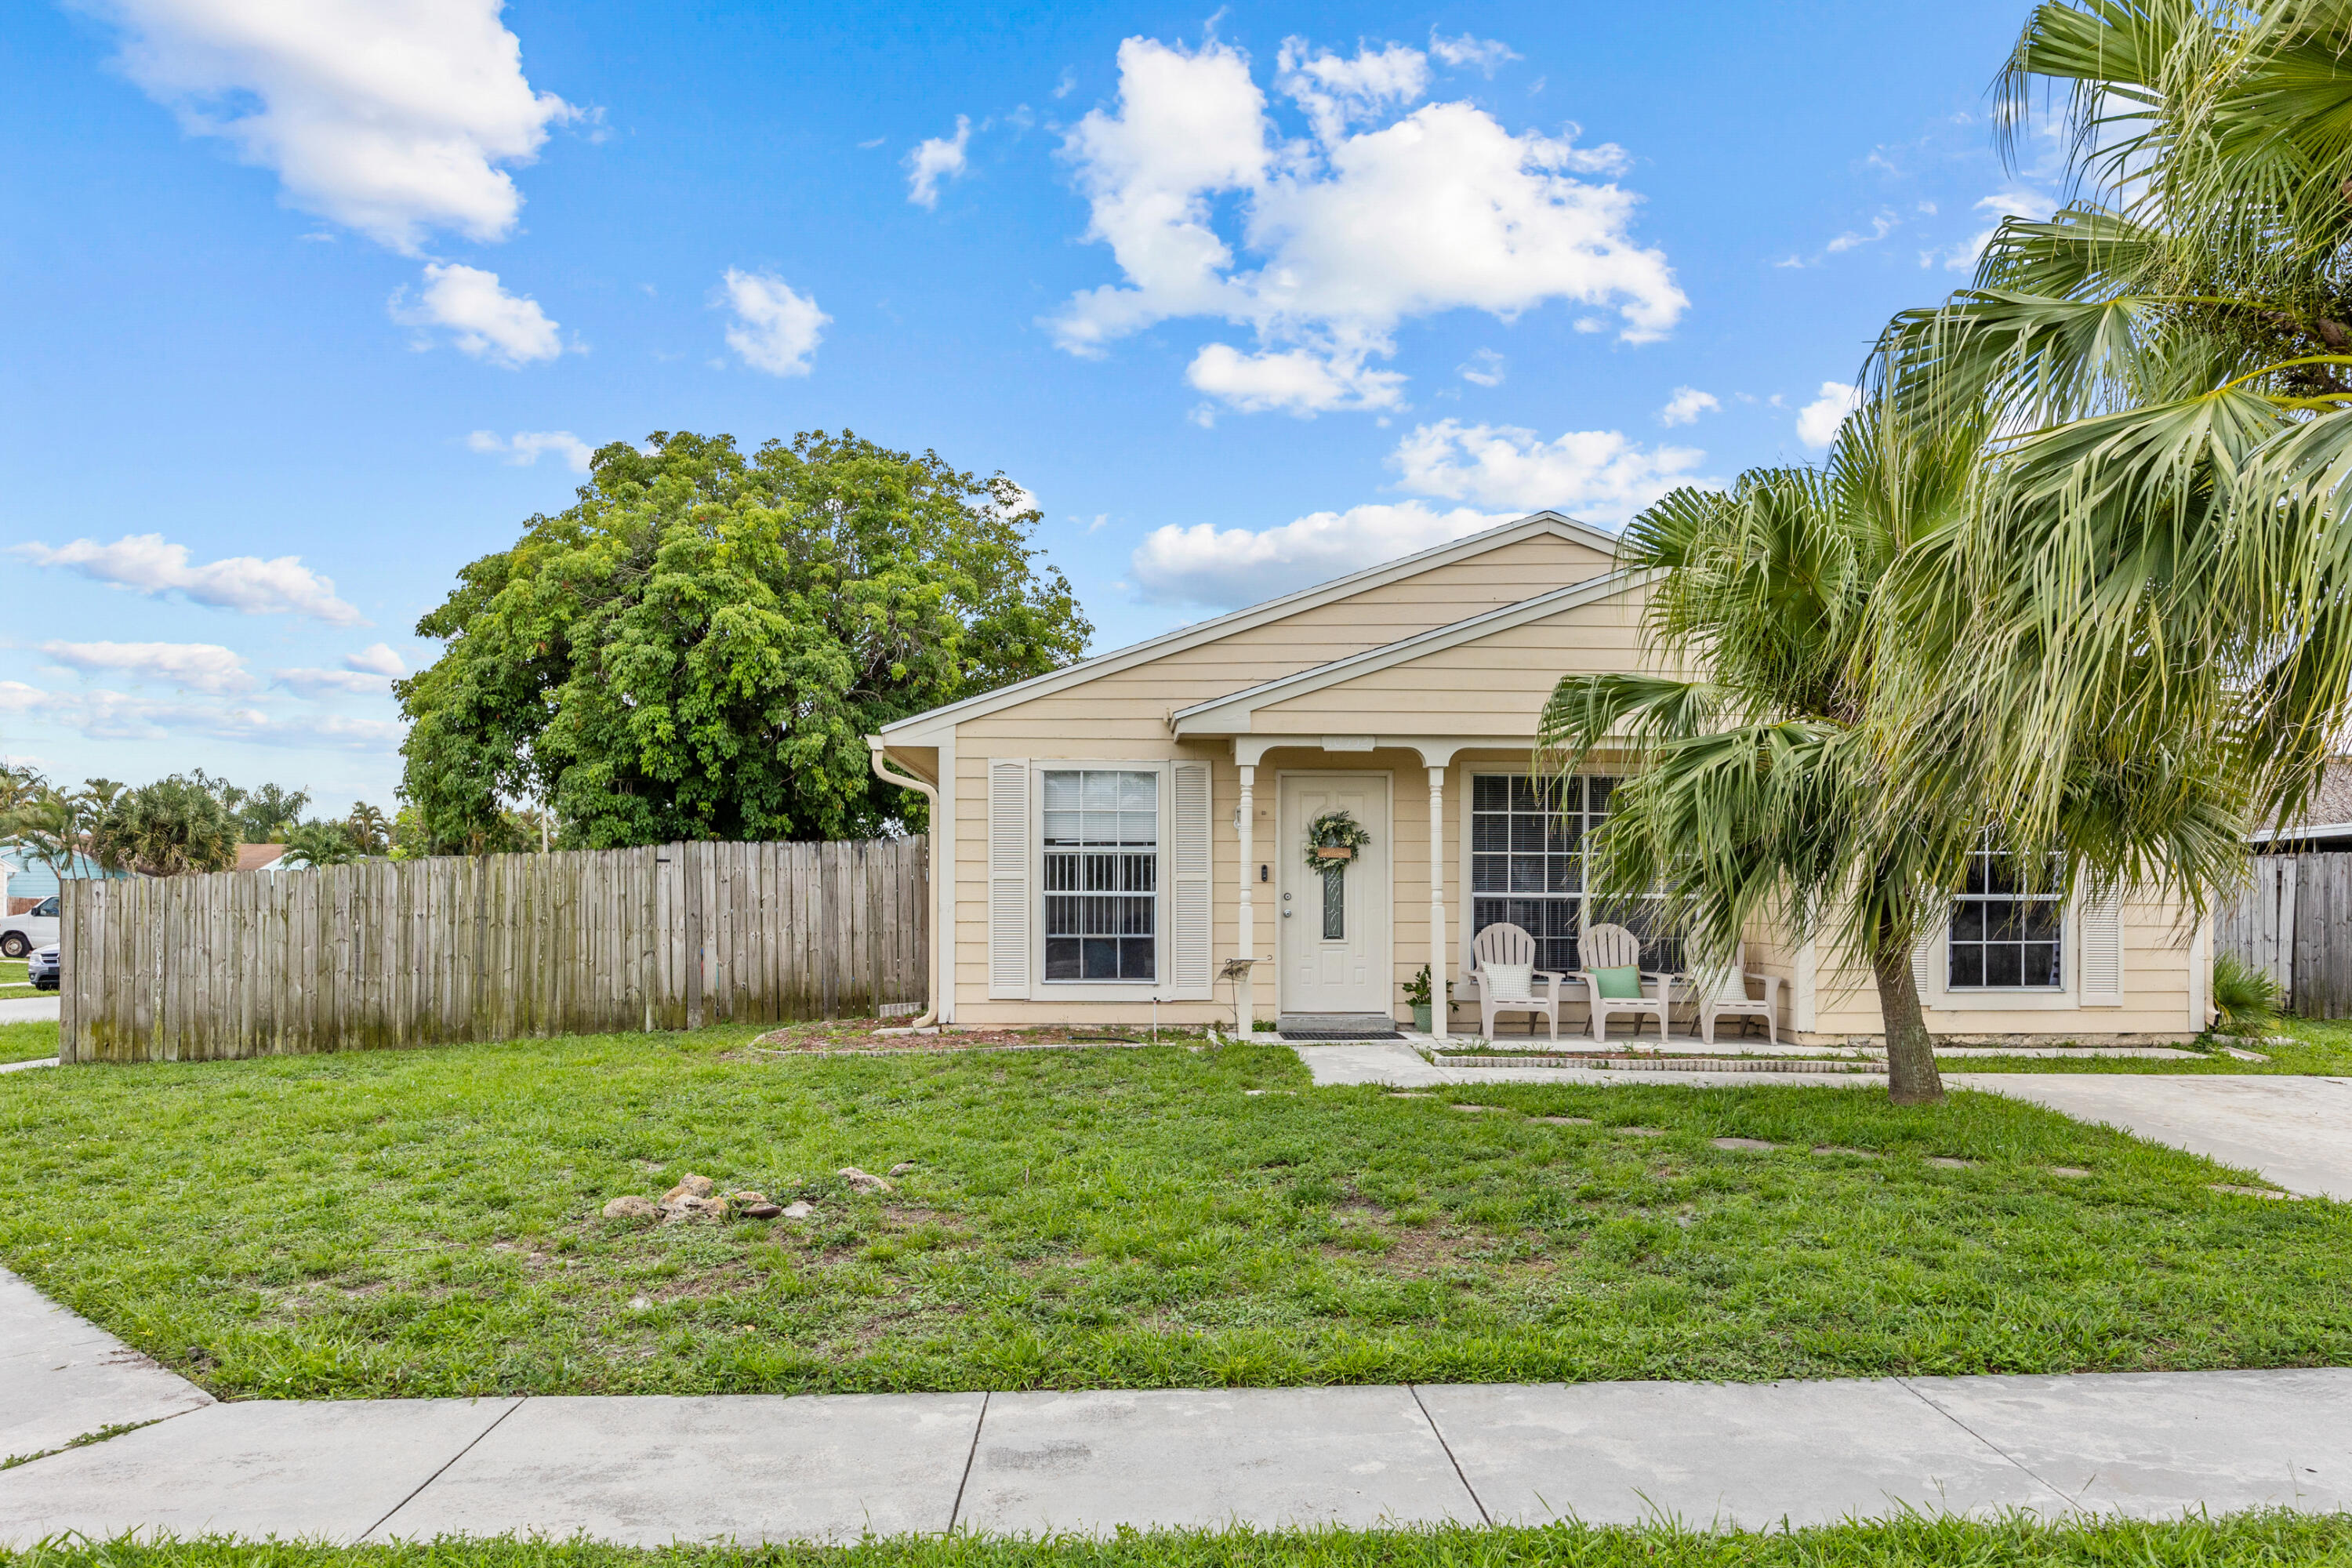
1881, 227
1686, 404
312, 682
481, 317
1485, 369
775, 330
935, 159
146, 563
1293, 381
1420, 211
197, 666
1485, 54
104, 715
376, 658
524, 448
1204, 564
1818, 421
1597, 475
394, 119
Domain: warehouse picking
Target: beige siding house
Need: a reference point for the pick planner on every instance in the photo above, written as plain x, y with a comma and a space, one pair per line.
1115, 839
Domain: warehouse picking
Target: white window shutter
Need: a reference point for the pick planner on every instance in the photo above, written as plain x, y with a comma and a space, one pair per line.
1008, 877
1189, 902
1927, 962
2102, 947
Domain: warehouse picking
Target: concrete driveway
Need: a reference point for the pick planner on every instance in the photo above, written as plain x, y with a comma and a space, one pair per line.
2298, 1131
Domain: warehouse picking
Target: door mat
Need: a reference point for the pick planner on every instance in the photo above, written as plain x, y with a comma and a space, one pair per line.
1330, 1036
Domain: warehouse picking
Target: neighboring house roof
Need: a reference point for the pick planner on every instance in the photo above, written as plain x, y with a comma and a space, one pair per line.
2328, 814
254, 856
916, 729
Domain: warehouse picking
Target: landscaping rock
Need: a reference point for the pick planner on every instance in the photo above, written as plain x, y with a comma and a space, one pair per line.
1641, 1131
864, 1181
746, 1196
693, 1186
2068, 1171
2248, 1192
1756, 1143
640, 1303
1567, 1121
689, 1206
798, 1211
1945, 1162
902, 1167
760, 1210
631, 1207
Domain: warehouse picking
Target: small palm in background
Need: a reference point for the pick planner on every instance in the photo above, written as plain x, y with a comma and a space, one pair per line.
2246, 999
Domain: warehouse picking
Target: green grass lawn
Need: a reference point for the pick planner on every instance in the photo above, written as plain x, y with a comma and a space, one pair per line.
13, 982
2321, 1047
2266, 1538
427, 1223
24, 1042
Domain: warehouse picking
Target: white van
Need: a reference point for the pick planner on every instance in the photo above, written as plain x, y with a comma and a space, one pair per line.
38, 927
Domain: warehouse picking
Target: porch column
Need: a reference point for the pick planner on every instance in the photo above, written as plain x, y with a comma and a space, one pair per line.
1438, 946
1245, 990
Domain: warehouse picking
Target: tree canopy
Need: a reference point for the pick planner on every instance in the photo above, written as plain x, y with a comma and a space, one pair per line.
698, 647
167, 828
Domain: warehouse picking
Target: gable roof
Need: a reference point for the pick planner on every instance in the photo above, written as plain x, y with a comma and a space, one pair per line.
919, 729
1231, 713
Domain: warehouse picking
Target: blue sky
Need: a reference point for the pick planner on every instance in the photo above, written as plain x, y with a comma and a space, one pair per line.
309, 306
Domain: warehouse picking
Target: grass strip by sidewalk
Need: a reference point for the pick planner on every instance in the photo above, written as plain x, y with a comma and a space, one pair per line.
28, 1041
2270, 1538
414, 1222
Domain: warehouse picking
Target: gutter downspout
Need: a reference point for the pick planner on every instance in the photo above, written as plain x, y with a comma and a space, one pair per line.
930, 915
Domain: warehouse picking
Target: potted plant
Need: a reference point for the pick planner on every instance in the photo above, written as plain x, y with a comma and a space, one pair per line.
1416, 991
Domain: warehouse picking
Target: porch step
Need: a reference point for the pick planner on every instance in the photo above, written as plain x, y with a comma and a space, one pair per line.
1337, 1027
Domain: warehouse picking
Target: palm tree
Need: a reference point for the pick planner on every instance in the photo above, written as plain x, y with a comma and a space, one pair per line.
2136, 639
1759, 787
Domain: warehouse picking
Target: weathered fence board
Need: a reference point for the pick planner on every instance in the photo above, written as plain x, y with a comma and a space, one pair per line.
386, 954
2293, 921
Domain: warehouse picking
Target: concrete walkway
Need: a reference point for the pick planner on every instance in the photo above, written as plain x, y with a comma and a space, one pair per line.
2293, 1131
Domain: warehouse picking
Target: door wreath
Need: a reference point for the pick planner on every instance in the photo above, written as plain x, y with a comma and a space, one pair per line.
1332, 840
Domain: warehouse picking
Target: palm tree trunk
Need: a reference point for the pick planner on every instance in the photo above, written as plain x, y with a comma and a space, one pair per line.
1911, 1076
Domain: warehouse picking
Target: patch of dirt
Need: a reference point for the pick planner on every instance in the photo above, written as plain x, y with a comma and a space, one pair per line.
1423, 1249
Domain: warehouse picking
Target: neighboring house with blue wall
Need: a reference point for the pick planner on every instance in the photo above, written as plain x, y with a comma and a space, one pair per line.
30, 879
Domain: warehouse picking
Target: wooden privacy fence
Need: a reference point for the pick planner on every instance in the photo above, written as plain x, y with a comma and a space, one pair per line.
386, 954
2293, 923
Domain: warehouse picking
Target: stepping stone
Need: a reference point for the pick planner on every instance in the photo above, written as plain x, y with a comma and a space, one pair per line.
1840, 1149
2248, 1192
1944, 1161
1756, 1143
2068, 1171
1477, 1107
1641, 1131
1567, 1121
1411, 1094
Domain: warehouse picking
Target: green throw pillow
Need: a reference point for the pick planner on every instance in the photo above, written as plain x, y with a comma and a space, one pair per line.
1615, 983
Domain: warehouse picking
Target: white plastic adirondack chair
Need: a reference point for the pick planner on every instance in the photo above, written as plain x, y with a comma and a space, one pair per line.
1614, 947
1503, 960
1728, 998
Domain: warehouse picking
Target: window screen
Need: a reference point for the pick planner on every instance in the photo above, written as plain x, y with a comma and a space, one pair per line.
1526, 866
1102, 874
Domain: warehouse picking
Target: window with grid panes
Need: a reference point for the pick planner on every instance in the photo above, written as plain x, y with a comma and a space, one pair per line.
1527, 864
2004, 935
1101, 873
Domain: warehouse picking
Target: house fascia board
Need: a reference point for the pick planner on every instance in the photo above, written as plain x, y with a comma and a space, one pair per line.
2301, 830
1229, 714
921, 729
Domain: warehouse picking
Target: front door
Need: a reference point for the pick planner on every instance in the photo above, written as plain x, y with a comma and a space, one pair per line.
1334, 941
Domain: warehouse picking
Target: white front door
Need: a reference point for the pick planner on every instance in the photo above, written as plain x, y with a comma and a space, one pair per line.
1334, 941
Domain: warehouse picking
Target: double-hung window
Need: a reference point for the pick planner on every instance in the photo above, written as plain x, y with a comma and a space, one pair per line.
2006, 935
1101, 873
1528, 840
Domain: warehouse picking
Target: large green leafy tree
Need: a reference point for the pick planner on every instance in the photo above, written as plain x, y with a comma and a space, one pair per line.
2151, 593
698, 646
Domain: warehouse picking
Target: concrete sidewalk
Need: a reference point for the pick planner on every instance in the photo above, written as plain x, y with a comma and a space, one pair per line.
830, 1467
2294, 1131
